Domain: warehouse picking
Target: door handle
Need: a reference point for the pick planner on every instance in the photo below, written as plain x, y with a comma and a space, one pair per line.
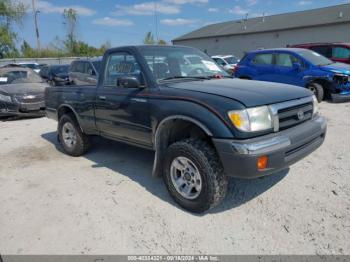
102, 97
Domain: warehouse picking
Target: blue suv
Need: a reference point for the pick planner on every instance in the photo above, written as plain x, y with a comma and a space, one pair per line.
299, 67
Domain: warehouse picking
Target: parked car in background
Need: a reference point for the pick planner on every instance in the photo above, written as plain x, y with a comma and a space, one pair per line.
56, 75
203, 129
42, 65
32, 65
228, 62
299, 67
21, 92
338, 52
85, 71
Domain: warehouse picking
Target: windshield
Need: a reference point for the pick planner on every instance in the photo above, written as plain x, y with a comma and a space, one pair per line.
60, 69
16, 76
231, 60
314, 58
31, 66
179, 62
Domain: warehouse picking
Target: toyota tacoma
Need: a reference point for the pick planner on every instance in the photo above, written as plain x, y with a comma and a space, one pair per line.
203, 126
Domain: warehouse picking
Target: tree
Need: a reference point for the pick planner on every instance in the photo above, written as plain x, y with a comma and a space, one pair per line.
70, 17
27, 50
149, 39
162, 42
11, 12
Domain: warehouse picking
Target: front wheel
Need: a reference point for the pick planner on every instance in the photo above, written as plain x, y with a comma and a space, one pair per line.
72, 139
318, 91
194, 175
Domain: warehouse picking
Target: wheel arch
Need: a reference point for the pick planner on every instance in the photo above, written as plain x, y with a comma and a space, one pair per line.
166, 134
66, 109
325, 83
245, 77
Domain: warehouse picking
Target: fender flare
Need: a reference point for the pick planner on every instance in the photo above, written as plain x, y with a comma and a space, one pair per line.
74, 113
157, 167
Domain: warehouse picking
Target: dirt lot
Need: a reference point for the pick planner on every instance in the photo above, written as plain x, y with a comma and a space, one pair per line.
108, 203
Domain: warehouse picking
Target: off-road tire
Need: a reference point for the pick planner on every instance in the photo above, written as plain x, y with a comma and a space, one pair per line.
82, 144
318, 91
214, 182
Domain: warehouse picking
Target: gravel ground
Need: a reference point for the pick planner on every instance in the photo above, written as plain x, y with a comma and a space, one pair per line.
107, 202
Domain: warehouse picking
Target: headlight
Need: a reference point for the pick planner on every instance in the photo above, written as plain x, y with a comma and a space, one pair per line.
5, 98
315, 105
251, 119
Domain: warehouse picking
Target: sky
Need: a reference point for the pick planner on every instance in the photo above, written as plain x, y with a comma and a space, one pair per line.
126, 22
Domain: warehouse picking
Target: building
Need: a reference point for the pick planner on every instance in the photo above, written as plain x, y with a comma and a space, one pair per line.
329, 24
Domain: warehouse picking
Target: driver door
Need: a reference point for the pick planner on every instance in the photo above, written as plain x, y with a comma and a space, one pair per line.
123, 113
286, 72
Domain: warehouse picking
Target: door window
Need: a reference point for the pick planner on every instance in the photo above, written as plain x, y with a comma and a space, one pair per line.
263, 59
121, 65
80, 67
73, 67
340, 52
89, 69
286, 60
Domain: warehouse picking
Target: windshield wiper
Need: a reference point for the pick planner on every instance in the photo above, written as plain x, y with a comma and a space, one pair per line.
331, 63
195, 77
184, 77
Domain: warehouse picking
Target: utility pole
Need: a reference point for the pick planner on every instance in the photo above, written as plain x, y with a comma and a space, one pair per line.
156, 21
35, 13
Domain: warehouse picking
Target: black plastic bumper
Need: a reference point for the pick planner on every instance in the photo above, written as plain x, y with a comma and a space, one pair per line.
338, 98
239, 157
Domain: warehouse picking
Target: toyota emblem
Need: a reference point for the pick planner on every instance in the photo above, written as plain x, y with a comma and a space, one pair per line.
301, 115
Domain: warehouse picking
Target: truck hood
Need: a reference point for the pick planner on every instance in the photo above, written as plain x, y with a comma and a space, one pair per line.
339, 68
23, 88
250, 93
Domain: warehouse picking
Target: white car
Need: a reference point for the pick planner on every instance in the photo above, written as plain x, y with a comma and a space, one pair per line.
32, 65
228, 62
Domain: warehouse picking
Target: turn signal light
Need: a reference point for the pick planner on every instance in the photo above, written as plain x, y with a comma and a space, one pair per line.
262, 162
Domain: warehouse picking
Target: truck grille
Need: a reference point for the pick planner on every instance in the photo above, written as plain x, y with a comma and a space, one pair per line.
30, 98
292, 116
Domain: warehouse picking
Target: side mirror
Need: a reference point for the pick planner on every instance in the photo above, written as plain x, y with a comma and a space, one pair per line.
297, 66
128, 82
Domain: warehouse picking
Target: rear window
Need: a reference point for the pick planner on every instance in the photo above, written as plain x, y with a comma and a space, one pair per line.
16, 76
231, 60
31, 66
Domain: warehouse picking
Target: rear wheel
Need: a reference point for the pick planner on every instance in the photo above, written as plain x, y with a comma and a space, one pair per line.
194, 175
72, 139
318, 91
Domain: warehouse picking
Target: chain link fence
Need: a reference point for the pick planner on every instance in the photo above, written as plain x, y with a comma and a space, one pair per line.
49, 61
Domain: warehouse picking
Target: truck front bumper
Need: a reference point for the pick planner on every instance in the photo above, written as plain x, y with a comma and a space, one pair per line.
341, 97
240, 157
